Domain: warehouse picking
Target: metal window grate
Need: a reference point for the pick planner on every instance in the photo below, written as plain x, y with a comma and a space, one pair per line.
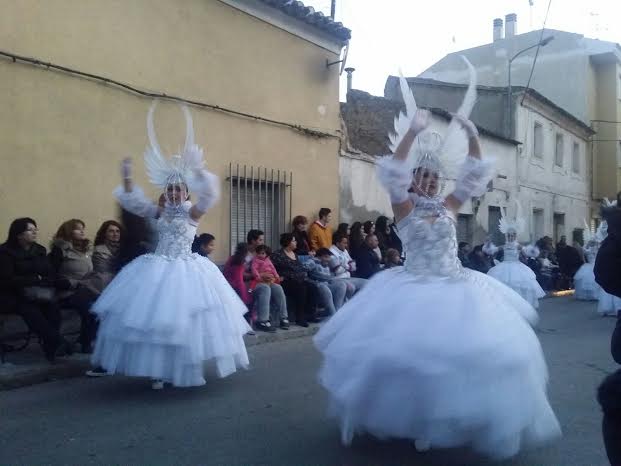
260, 198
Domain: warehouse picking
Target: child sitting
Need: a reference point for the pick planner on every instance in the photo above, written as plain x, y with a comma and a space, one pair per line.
263, 270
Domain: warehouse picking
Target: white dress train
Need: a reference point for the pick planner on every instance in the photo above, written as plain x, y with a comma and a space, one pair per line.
435, 352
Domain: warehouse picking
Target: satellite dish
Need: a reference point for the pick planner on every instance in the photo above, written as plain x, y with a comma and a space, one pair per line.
342, 61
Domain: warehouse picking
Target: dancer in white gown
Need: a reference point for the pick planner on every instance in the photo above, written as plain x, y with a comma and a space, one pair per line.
431, 351
585, 286
511, 271
167, 314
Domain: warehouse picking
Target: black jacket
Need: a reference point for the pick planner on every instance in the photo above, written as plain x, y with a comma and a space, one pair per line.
367, 262
607, 267
20, 268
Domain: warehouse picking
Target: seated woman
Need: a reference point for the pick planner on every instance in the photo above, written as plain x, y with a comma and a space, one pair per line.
106, 254
27, 286
295, 280
71, 258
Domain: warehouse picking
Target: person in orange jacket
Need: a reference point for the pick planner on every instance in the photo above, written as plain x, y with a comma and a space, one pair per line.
320, 233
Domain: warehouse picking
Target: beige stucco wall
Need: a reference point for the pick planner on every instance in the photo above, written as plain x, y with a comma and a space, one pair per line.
62, 137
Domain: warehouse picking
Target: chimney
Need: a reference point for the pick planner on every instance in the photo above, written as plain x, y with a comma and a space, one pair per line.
497, 29
510, 25
349, 72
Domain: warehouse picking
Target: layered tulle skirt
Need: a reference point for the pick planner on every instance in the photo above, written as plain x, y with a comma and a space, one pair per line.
519, 278
452, 362
585, 286
170, 319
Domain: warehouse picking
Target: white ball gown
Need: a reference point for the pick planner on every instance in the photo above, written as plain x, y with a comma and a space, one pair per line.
585, 286
167, 314
435, 352
517, 276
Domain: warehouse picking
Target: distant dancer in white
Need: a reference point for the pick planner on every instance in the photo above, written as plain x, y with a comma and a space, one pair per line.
167, 314
431, 351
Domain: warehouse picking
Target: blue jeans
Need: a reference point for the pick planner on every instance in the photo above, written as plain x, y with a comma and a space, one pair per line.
269, 297
331, 295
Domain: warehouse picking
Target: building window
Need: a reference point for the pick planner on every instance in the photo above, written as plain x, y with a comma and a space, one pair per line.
538, 141
464, 228
575, 158
538, 224
493, 221
260, 199
559, 226
558, 152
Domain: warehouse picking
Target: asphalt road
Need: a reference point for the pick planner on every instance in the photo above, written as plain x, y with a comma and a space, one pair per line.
274, 413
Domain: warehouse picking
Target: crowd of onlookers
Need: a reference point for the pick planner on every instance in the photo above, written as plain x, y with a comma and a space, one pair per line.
554, 267
309, 276
312, 272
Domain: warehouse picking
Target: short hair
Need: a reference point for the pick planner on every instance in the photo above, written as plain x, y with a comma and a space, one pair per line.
339, 236
254, 235
324, 212
321, 252
286, 239
263, 248
299, 220
204, 238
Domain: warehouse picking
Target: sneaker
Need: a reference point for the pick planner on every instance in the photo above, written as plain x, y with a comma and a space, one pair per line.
284, 324
251, 332
265, 327
157, 384
302, 323
97, 372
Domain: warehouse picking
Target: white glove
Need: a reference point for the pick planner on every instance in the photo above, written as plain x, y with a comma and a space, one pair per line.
208, 190
420, 121
126, 168
468, 126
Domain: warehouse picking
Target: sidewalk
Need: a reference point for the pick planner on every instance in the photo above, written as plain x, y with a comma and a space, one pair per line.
29, 367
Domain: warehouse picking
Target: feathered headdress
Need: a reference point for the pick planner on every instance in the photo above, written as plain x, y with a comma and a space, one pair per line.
507, 225
180, 168
430, 150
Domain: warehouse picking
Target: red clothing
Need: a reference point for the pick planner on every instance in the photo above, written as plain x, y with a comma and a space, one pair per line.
261, 266
234, 274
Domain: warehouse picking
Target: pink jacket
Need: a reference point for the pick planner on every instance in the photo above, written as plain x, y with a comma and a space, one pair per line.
260, 266
234, 274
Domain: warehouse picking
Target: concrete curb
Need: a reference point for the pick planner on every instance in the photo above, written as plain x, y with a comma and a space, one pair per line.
14, 376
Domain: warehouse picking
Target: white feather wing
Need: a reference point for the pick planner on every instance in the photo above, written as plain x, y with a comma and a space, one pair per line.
403, 120
455, 147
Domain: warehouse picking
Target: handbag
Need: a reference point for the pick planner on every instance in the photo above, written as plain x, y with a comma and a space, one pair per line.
40, 294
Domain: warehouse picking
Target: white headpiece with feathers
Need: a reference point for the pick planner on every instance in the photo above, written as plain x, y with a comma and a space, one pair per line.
180, 168
429, 150
515, 225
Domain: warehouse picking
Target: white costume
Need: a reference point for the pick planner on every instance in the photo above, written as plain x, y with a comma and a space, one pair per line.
432, 351
585, 286
168, 313
511, 271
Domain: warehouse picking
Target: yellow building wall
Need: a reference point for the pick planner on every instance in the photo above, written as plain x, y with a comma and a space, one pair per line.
63, 137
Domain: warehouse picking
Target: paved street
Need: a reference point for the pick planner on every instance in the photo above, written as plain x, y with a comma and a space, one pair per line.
273, 414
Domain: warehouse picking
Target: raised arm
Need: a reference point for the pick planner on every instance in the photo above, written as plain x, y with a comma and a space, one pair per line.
207, 191
475, 173
395, 172
131, 197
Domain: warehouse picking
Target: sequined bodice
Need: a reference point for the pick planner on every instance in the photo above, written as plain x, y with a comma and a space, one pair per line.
511, 252
431, 245
176, 235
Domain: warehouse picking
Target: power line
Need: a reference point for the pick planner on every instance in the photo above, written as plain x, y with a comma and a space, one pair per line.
532, 68
161, 95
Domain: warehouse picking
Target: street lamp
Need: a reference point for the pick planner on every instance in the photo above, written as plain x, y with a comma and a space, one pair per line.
541, 43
